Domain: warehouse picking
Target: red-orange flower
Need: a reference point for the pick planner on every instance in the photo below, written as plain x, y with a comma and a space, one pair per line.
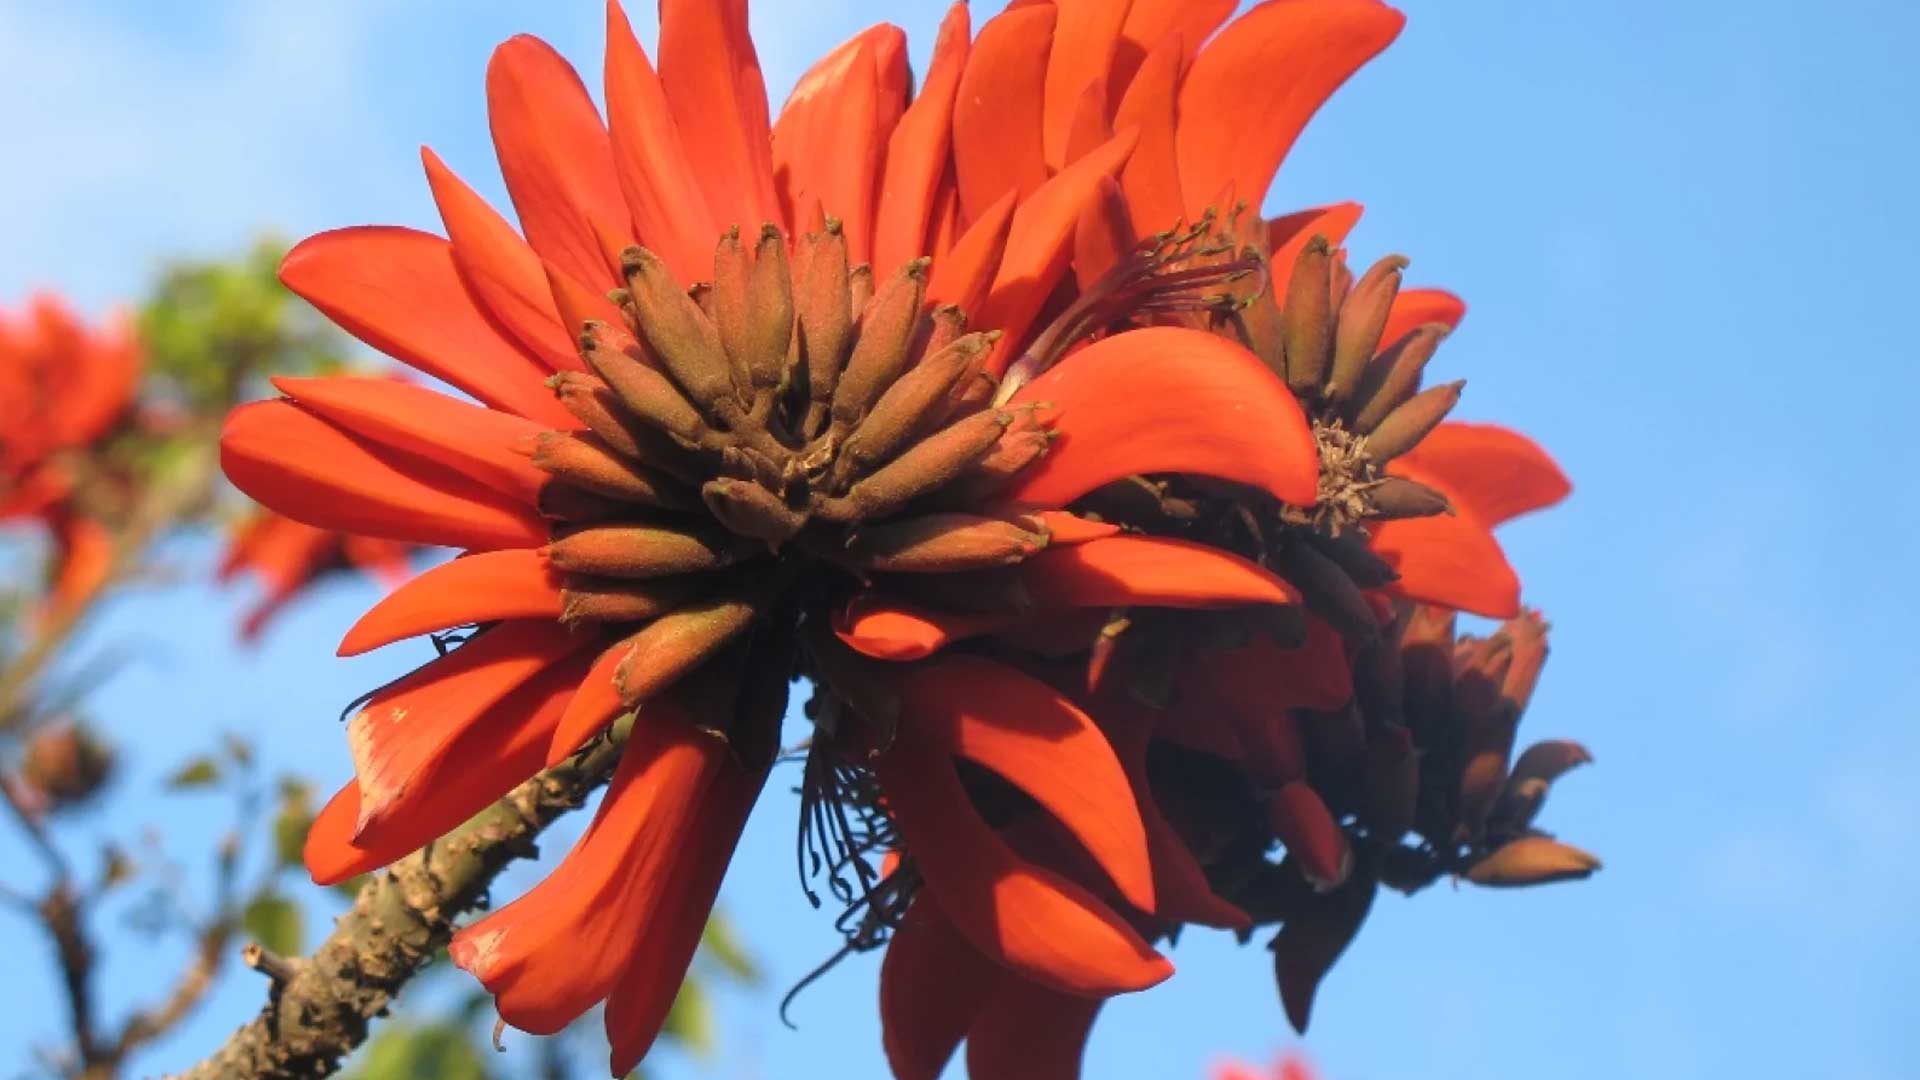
63, 387
288, 557
968, 371
1290, 1067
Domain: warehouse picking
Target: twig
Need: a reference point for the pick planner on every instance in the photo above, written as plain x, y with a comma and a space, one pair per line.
400, 919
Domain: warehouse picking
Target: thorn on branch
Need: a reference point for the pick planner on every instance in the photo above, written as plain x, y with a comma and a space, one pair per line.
267, 962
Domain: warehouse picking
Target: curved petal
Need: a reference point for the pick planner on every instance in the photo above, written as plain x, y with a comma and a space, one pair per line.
997, 118
556, 157
486, 587
1083, 42
964, 274
1040, 245
1029, 1032
1150, 22
664, 192
399, 291
641, 1000
1449, 559
499, 267
1417, 307
829, 144
1036, 739
405, 730
917, 153
594, 705
1279, 62
712, 80
476, 442
1287, 237
292, 461
1495, 473
1024, 916
504, 747
888, 628
1151, 179
1168, 399
553, 953
1149, 571
932, 985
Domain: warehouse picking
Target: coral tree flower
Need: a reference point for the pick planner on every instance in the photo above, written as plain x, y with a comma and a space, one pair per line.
289, 557
1290, 1067
64, 387
669, 493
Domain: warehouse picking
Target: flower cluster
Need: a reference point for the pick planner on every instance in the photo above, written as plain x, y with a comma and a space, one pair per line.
1113, 529
65, 388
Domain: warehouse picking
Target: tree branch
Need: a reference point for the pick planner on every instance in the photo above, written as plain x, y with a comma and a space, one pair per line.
320, 1010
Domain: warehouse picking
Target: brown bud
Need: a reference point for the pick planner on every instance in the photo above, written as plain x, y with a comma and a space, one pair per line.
913, 398
65, 765
1309, 943
1351, 553
1550, 760
880, 352
611, 600
585, 461
1305, 318
1528, 634
594, 404
748, 509
1393, 781
1394, 375
1405, 426
753, 307
641, 551
679, 333
1530, 781
1533, 860
823, 309
675, 643
1397, 497
945, 543
559, 500
646, 393
1485, 721
930, 464
1328, 590
1363, 317
1258, 325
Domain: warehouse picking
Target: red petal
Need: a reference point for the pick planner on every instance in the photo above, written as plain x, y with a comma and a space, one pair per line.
964, 274
481, 588
1149, 571
1449, 559
1418, 307
552, 954
1064, 528
593, 706
1027, 917
475, 442
1263, 676
1152, 175
663, 189
888, 628
1287, 237
830, 144
641, 1000
404, 732
1029, 1032
398, 291
1083, 43
1030, 735
1278, 62
556, 157
719, 101
504, 747
932, 985
292, 461
1494, 473
1040, 244
1150, 22
997, 118
917, 155
1168, 399
500, 268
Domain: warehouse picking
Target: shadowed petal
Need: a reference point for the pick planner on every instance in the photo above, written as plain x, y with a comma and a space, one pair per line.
1494, 473
398, 290
917, 154
1152, 176
664, 193
1028, 1032
1279, 62
1150, 22
964, 274
1287, 237
1083, 43
556, 157
294, 462
830, 143
1418, 307
997, 118
480, 588
1024, 916
1168, 399
932, 985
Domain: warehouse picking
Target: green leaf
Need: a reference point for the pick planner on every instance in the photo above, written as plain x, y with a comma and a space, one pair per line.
690, 1020
291, 822
198, 773
725, 948
431, 1052
274, 922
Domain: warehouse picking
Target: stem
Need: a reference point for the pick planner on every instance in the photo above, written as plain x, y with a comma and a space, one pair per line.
320, 1011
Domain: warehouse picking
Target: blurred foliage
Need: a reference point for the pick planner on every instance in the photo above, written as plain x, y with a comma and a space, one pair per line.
212, 328
421, 1052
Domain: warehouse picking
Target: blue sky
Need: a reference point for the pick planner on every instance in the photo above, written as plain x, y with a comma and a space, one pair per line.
1683, 231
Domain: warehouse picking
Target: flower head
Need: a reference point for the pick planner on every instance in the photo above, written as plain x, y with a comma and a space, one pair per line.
958, 404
